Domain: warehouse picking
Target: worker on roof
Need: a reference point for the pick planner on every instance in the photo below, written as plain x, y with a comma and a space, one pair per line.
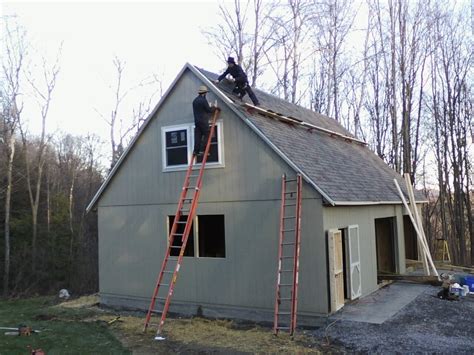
201, 110
241, 81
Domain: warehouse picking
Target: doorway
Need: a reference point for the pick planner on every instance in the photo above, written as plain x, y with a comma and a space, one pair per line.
411, 242
385, 244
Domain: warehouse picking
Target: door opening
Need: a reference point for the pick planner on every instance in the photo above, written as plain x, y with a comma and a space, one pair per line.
385, 244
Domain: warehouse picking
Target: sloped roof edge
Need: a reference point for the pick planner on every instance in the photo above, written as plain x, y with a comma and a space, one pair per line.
260, 133
134, 140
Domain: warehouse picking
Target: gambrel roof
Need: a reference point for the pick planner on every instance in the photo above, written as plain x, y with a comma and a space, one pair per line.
340, 167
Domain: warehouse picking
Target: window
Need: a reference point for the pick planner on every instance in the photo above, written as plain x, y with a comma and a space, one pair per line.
178, 144
176, 141
211, 236
208, 242
189, 251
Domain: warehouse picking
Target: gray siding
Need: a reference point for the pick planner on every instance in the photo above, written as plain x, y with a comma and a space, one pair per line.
134, 208
364, 216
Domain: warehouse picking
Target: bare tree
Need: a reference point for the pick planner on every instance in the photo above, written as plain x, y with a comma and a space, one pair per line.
35, 162
451, 60
245, 32
288, 53
333, 19
14, 49
121, 127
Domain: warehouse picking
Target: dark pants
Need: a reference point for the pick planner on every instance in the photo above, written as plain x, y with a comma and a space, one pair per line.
201, 134
242, 86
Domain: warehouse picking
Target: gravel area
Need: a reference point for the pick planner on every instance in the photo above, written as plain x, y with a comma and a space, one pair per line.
426, 325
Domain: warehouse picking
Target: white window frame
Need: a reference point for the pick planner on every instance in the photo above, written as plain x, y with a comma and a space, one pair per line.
189, 127
167, 129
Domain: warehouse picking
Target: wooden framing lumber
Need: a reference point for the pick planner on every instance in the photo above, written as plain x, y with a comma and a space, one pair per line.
297, 121
430, 280
418, 233
414, 211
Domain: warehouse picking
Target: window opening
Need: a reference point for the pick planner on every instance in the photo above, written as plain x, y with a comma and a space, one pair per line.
189, 251
211, 235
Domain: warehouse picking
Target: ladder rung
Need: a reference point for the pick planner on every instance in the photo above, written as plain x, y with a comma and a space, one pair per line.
168, 272
160, 298
176, 246
290, 180
191, 187
284, 313
290, 204
286, 270
288, 230
283, 328
286, 284
288, 243
285, 299
156, 311
164, 284
287, 257
289, 217
181, 222
194, 175
185, 211
178, 234
290, 192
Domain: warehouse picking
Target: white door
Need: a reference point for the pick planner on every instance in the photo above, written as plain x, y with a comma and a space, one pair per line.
353, 271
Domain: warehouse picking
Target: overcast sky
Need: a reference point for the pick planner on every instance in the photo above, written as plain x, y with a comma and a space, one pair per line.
151, 37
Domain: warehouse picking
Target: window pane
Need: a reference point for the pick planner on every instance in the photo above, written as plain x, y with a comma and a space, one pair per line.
176, 147
176, 138
189, 251
177, 156
213, 150
211, 236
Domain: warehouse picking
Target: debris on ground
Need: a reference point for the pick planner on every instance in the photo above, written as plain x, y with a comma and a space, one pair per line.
64, 294
81, 302
21, 330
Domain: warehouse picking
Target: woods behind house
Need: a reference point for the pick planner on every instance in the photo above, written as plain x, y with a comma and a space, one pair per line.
397, 74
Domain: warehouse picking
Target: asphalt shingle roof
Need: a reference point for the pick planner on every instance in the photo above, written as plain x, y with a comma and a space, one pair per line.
346, 171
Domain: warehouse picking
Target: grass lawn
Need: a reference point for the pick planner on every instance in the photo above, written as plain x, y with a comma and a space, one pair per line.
63, 330
81, 327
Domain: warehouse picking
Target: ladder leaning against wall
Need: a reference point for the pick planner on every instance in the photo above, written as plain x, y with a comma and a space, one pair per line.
185, 214
286, 298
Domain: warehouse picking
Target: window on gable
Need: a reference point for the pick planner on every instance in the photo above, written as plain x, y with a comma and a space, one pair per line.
211, 236
176, 145
189, 251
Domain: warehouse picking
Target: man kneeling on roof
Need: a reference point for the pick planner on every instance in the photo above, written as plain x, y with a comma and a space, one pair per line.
201, 110
241, 82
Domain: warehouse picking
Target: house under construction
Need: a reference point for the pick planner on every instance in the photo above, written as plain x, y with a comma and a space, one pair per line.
353, 224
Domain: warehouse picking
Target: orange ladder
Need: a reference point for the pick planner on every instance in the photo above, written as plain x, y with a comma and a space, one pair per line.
286, 298
185, 214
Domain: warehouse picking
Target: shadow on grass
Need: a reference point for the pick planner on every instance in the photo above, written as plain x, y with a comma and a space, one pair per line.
61, 330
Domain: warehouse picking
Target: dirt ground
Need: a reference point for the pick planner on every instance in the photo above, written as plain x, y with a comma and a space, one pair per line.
426, 325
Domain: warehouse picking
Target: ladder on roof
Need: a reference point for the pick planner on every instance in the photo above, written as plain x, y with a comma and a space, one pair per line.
184, 216
286, 298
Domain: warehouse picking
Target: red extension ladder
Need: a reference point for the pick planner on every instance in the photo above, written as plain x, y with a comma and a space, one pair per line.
286, 298
187, 205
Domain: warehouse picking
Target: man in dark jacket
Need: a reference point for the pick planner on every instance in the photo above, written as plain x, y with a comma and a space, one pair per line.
241, 82
202, 111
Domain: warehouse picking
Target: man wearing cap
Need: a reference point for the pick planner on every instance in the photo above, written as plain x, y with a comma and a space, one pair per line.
241, 81
201, 110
